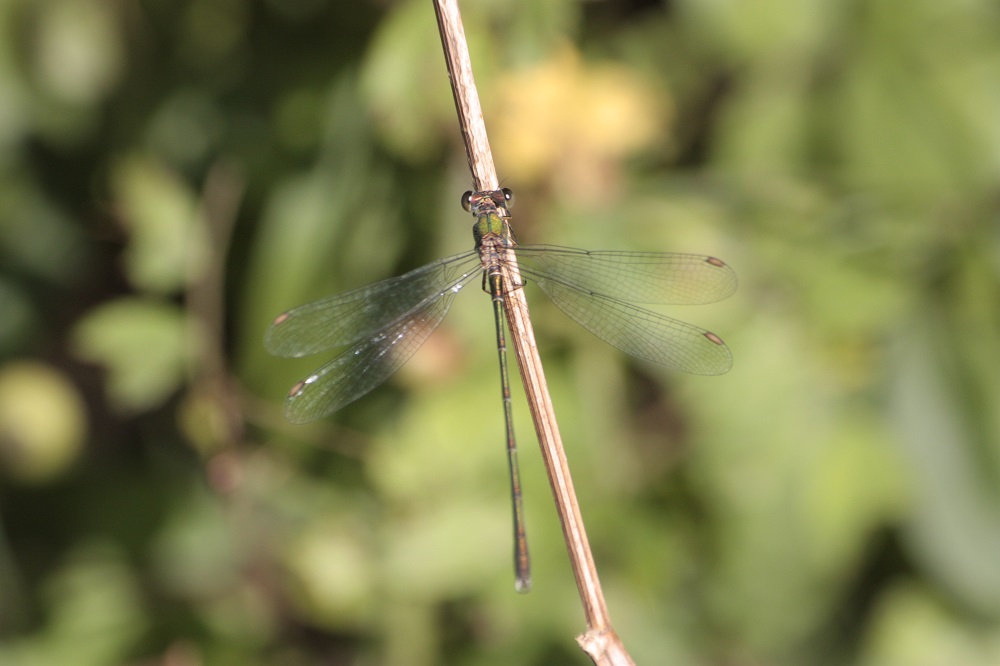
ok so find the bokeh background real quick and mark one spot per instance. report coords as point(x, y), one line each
point(174, 173)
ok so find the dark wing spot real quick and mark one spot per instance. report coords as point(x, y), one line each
point(714, 338)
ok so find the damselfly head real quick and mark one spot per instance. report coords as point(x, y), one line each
point(488, 201)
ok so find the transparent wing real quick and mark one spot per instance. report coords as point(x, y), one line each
point(369, 363)
point(634, 277)
point(639, 332)
point(346, 318)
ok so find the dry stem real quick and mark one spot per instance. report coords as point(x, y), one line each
point(600, 641)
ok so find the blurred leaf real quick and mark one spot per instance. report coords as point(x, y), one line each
point(185, 129)
point(449, 550)
point(203, 417)
point(333, 573)
point(840, 522)
point(762, 31)
point(955, 523)
point(94, 615)
point(192, 555)
point(144, 346)
point(913, 627)
point(43, 421)
point(531, 28)
point(168, 245)
point(764, 129)
point(78, 54)
point(911, 112)
point(405, 81)
point(770, 480)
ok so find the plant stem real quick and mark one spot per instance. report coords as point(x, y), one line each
point(600, 641)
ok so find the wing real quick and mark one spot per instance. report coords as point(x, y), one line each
point(641, 333)
point(369, 363)
point(359, 314)
point(633, 277)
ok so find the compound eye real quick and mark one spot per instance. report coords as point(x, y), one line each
point(508, 197)
point(467, 202)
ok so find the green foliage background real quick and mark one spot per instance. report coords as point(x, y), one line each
point(174, 173)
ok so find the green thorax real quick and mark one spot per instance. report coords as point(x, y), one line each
point(492, 225)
